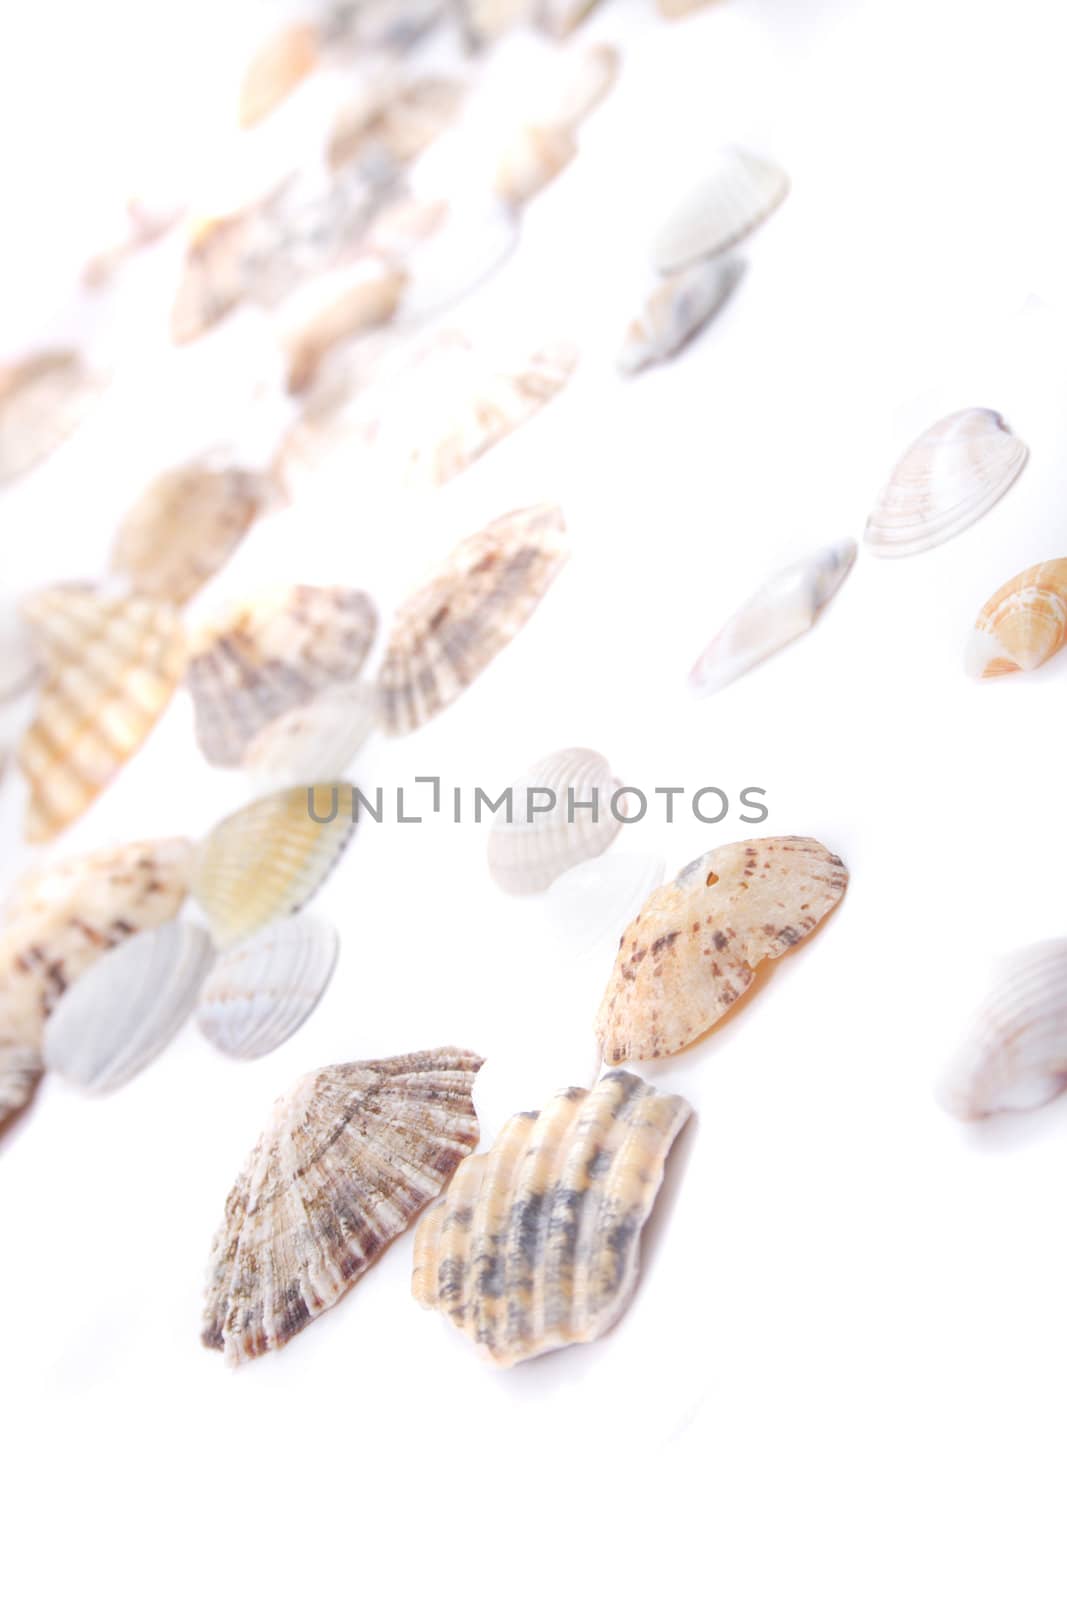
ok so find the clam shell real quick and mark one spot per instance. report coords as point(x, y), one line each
point(323, 736)
point(597, 899)
point(125, 1010)
point(532, 157)
point(780, 612)
point(352, 1154)
point(531, 851)
point(266, 987)
point(450, 630)
point(1014, 1056)
point(42, 400)
point(738, 193)
point(1023, 625)
point(949, 478)
point(185, 527)
point(535, 1244)
point(694, 949)
point(334, 309)
point(268, 859)
point(681, 305)
point(390, 133)
point(281, 63)
point(111, 665)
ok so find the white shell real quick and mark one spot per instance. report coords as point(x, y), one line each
point(676, 310)
point(1015, 1054)
point(735, 196)
point(317, 740)
point(266, 987)
point(18, 659)
point(781, 611)
point(472, 239)
point(124, 1011)
point(531, 851)
point(597, 900)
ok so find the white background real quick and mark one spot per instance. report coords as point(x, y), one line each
point(843, 1372)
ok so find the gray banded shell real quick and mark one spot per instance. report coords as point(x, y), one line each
point(738, 192)
point(265, 988)
point(1014, 1056)
point(563, 811)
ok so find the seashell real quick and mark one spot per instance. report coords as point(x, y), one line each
point(535, 1244)
point(18, 658)
point(21, 1070)
point(597, 899)
point(738, 193)
point(125, 1010)
point(266, 987)
point(447, 247)
point(43, 399)
point(682, 304)
point(949, 478)
point(533, 848)
point(185, 527)
point(213, 278)
point(332, 310)
point(774, 616)
point(561, 17)
point(449, 631)
point(579, 84)
point(1023, 625)
point(146, 220)
point(482, 21)
point(1014, 1056)
point(111, 665)
point(269, 858)
point(352, 1154)
point(693, 950)
point(323, 736)
point(386, 136)
point(280, 64)
point(532, 157)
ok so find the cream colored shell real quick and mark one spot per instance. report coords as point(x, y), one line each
point(185, 526)
point(1023, 625)
point(561, 814)
point(42, 400)
point(1014, 1056)
point(263, 989)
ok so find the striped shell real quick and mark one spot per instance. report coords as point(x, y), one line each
point(352, 1154)
point(949, 478)
point(681, 305)
point(535, 1244)
point(696, 945)
point(316, 740)
point(1014, 1056)
point(738, 193)
point(570, 820)
point(280, 64)
point(1023, 625)
point(42, 401)
point(265, 988)
point(185, 527)
point(450, 630)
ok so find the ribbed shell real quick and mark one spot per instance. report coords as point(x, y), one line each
point(535, 1244)
point(696, 945)
point(681, 305)
point(123, 1012)
point(185, 527)
point(42, 400)
point(531, 851)
point(268, 859)
point(1023, 625)
point(352, 1154)
point(1014, 1056)
point(321, 738)
point(950, 477)
point(266, 987)
point(738, 193)
point(111, 665)
point(450, 630)
point(281, 63)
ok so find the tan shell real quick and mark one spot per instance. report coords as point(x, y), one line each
point(42, 400)
point(383, 138)
point(533, 156)
point(1023, 625)
point(694, 948)
point(352, 1154)
point(278, 66)
point(535, 1244)
point(111, 665)
point(333, 310)
point(450, 630)
point(185, 527)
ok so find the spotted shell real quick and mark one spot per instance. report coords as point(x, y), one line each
point(42, 401)
point(322, 737)
point(676, 310)
point(266, 987)
point(563, 811)
point(280, 64)
point(185, 527)
point(1023, 625)
point(1014, 1056)
point(739, 191)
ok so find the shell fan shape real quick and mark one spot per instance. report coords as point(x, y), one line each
point(1023, 625)
point(266, 987)
point(738, 193)
point(353, 1153)
point(561, 815)
point(185, 526)
point(1014, 1056)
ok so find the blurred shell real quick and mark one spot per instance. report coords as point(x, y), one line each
point(352, 1154)
point(18, 658)
point(278, 66)
point(42, 400)
point(682, 304)
point(450, 630)
point(673, 9)
point(780, 612)
point(594, 901)
point(532, 157)
point(736, 195)
point(334, 309)
point(483, 21)
point(535, 1244)
point(1015, 1055)
point(533, 850)
point(580, 82)
point(949, 478)
point(185, 527)
point(268, 859)
point(123, 1012)
point(322, 737)
point(266, 987)
point(271, 656)
point(1023, 625)
point(21, 1069)
point(694, 949)
point(386, 136)
point(447, 247)
point(561, 17)
point(111, 665)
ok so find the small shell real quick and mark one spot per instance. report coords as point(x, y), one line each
point(949, 478)
point(533, 156)
point(1015, 1055)
point(696, 945)
point(123, 1012)
point(682, 304)
point(535, 1244)
point(185, 527)
point(110, 667)
point(320, 738)
point(386, 137)
point(269, 858)
point(353, 1153)
point(537, 845)
point(1023, 625)
point(333, 309)
point(780, 612)
point(281, 63)
point(450, 630)
point(42, 400)
point(266, 987)
point(595, 901)
point(738, 193)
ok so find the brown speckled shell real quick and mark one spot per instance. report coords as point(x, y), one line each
point(185, 526)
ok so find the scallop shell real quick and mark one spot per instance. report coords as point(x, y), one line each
point(266, 987)
point(280, 64)
point(532, 157)
point(323, 736)
point(185, 527)
point(533, 849)
point(738, 193)
point(269, 858)
point(949, 478)
point(43, 399)
point(123, 1012)
point(352, 1154)
point(450, 630)
point(111, 665)
point(780, 612)
point(682, 304)
point(334, 309)
point(1015, 1054)
point(694, 949)
point(535, 1244)
point(385, 137)
point(1023, 625)
point(271, 656)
